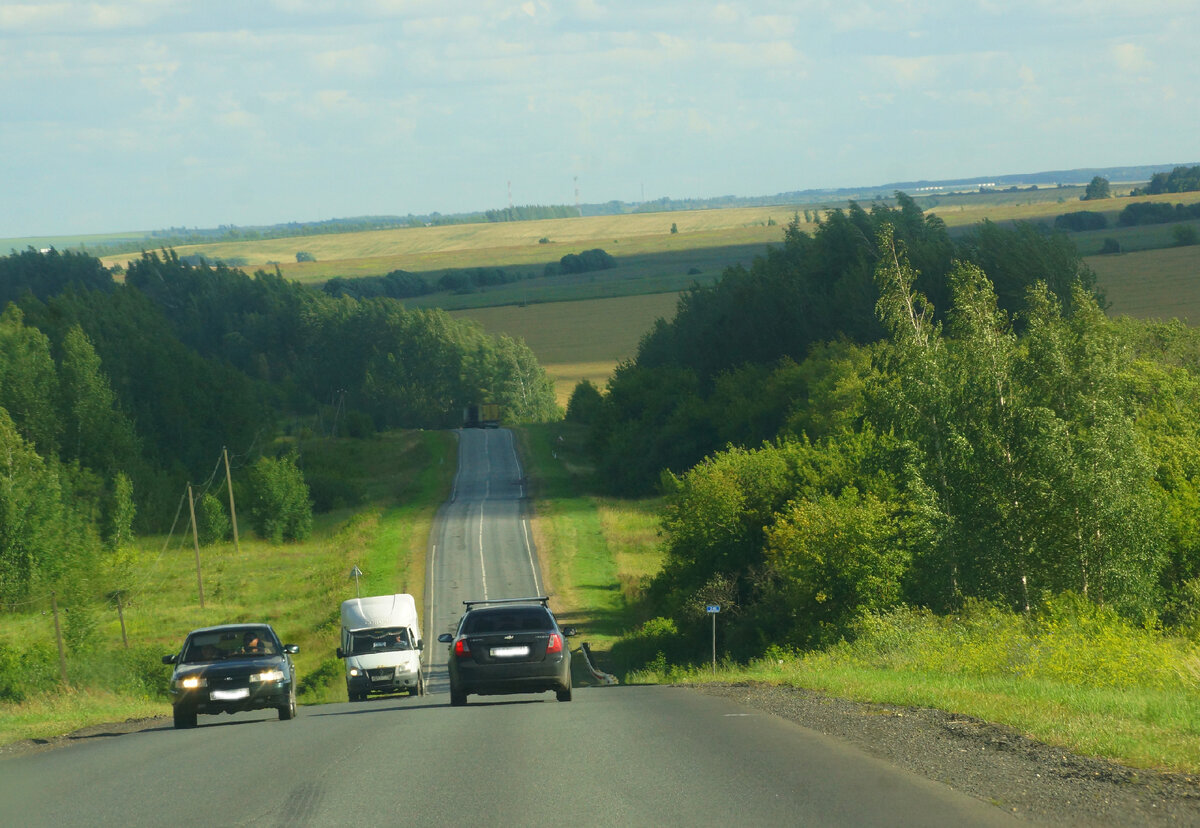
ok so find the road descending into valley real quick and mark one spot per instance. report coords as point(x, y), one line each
point(624, 755)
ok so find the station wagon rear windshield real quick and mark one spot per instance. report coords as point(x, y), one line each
point(508, 619)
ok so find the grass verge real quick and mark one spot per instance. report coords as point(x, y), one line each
point(403, 478)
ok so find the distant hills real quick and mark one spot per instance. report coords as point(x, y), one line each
point(133, 242)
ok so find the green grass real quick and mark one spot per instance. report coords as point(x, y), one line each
point(595, 551)
point(296, 587)
point(1152, 284)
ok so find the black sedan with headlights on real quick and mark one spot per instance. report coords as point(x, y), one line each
point(512, 645)
point(232, 668)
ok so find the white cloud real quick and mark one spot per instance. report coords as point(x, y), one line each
point(359, 61)
point(1130, 57)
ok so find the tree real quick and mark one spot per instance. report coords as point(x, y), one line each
point(97, 433)
point(1097, 188)
point(280, 507)
point(585, 403)
point(29, 382)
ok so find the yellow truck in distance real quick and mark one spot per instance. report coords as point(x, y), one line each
point(484, 415)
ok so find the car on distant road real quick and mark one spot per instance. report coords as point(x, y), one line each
point(511, 645)
point(232, 668)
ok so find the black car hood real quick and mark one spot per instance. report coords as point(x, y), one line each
point(234, 667)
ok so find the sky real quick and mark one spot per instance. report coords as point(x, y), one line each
point(121, 115)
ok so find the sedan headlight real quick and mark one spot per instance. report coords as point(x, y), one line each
point(267, 675)
point(354, 671)
point(191, 682)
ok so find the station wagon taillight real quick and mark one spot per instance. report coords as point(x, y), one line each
point(555, 644)
point(462, 648)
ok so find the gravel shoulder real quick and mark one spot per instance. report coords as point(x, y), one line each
point(1036, 782)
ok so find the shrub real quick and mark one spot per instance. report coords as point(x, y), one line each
point(213, 523)
point(656, 639)
point(1081, 220)
point(1110, 246)
point(280, 507)
point(305, 256)
point(1184, 235)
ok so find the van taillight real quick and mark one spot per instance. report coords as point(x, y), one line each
point(462, 648)
point(555, 644)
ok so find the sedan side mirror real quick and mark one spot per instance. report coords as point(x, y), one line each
point(173, 658)
point(291, 649)
point(569, 631)
point(445, 638)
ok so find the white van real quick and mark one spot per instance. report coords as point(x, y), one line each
point(381, 644)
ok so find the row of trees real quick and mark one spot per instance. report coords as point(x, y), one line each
point(1009, 444)
point(705, 378)
point(146, 381)
point(1178, 180)
point(1152, 212)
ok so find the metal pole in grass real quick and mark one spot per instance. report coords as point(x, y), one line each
point(712, 610)
point(356, 573)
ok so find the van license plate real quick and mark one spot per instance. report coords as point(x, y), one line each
point(509, 652)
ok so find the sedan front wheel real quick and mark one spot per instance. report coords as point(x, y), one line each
point(288, 711)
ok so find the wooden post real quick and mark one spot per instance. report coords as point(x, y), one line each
point(62, 656)
point(232, 511)
point(121, 615)
point(196, 544)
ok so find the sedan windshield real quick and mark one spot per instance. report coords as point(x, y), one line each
point(217, 645)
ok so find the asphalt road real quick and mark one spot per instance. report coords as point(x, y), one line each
point(614, 755)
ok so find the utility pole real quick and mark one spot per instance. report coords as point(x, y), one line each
point(232, 511)
point(196, 545)
point(62, 656)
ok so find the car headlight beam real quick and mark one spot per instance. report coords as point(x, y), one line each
point(267, 675)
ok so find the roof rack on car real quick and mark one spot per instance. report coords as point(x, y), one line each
point(540, 599)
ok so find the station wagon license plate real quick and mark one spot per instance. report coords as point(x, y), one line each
point(509, 652)
point(231, 695)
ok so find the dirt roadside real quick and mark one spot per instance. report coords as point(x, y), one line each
point(1035, 782)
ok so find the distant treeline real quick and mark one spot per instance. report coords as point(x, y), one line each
point(1150, 212)
point(1178, 180)
point(400, 284)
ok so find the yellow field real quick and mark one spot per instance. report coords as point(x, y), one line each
point(507, 244)
point(578, 340)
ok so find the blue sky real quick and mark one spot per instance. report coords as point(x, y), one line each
point(147, 114)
